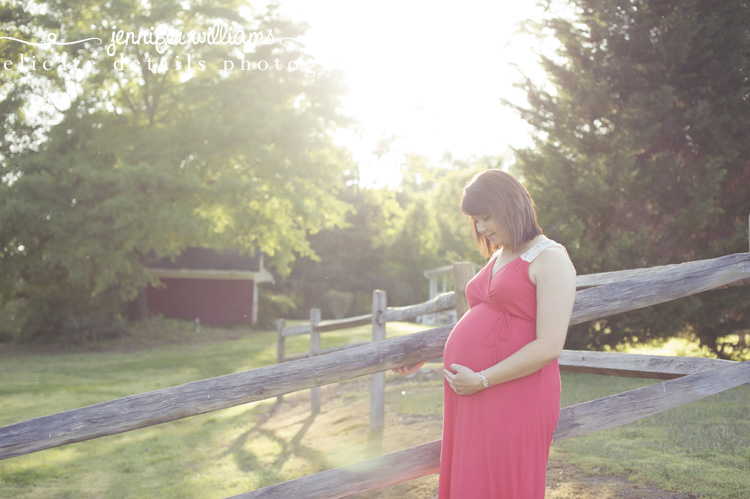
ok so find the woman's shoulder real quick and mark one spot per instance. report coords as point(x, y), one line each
point(552, 259)
point(539, 246)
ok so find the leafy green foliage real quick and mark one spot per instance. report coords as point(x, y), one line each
point(348, 259)
point(272, 306)
point(641, 151)
point(151, 157)
point(391, 238)
point(433, 232)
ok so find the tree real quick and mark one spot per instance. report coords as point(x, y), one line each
point(433, 232)
point(641, 153)
point(154, 155)
point(348, 259)
point(456, 241)
point(391, 237)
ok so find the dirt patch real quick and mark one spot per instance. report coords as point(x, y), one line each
point(341, 432)
point(565, 481)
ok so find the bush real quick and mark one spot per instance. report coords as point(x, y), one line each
point(272, 307)
point(12, 320)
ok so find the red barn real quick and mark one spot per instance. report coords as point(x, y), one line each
point(217, 287)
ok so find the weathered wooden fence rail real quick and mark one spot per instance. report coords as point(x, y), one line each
point(700, 378)
point(445, 301)
point(284, 332)
point(381, 314)
point(577, 420)
point(665, 282)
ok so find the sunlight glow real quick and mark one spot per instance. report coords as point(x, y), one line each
point(430, 74)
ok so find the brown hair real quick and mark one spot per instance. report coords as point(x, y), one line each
point(503, 198)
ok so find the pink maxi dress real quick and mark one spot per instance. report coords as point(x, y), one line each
point(496, 442)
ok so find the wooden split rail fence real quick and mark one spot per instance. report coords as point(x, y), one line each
point(381, 314)
point(688, 380)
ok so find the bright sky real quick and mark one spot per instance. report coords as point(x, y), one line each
point(430, 73)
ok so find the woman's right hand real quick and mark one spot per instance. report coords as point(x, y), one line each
point(405, 370)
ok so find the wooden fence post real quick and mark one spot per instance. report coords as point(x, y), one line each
point(280, 341)
point(314, 350)
point(280, 346)
point(377, 380)
point(462, 274)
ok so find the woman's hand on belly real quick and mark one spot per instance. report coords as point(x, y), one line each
point(463, 380)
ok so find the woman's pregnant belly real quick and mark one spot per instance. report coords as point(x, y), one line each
point(484, 336)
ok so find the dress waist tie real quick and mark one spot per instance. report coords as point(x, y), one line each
point(500, 331)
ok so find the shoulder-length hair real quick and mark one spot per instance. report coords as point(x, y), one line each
point(500, 196)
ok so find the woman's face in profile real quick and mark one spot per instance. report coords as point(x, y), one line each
point(491, 230)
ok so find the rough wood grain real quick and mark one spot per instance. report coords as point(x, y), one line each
point(169, 404)
point(372, 474)
point(589, 280)
point(314, 350)
point(444, 301)
point(336, 324)
point(441, 302)
point(631, 365)
point(582, 419)
point(377, 380)
point(462, 274)
point(674, 282)
point(280, 341)
point(323, 326)
point(325, 351)
point(280, 347)
point(623, 408)
point(200, 397)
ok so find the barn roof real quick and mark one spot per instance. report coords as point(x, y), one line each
point(211, 259)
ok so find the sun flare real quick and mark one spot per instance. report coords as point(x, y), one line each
point(428, 75)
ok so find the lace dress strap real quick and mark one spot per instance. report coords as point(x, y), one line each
point(535, 250)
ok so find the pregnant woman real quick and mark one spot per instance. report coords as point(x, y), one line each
point(502, 382)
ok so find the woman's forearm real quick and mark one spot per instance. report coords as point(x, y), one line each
point(527, 360)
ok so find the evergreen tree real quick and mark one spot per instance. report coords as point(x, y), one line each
point(641, 153)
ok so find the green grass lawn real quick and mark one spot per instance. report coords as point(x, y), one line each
point(702, 448)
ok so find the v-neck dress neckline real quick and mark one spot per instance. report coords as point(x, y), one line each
point(536, 248)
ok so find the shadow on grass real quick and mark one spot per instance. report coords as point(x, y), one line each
point(247, 460)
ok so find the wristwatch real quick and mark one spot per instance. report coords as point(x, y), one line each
point(485, 383)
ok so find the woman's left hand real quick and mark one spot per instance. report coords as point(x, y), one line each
point(464, 381)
